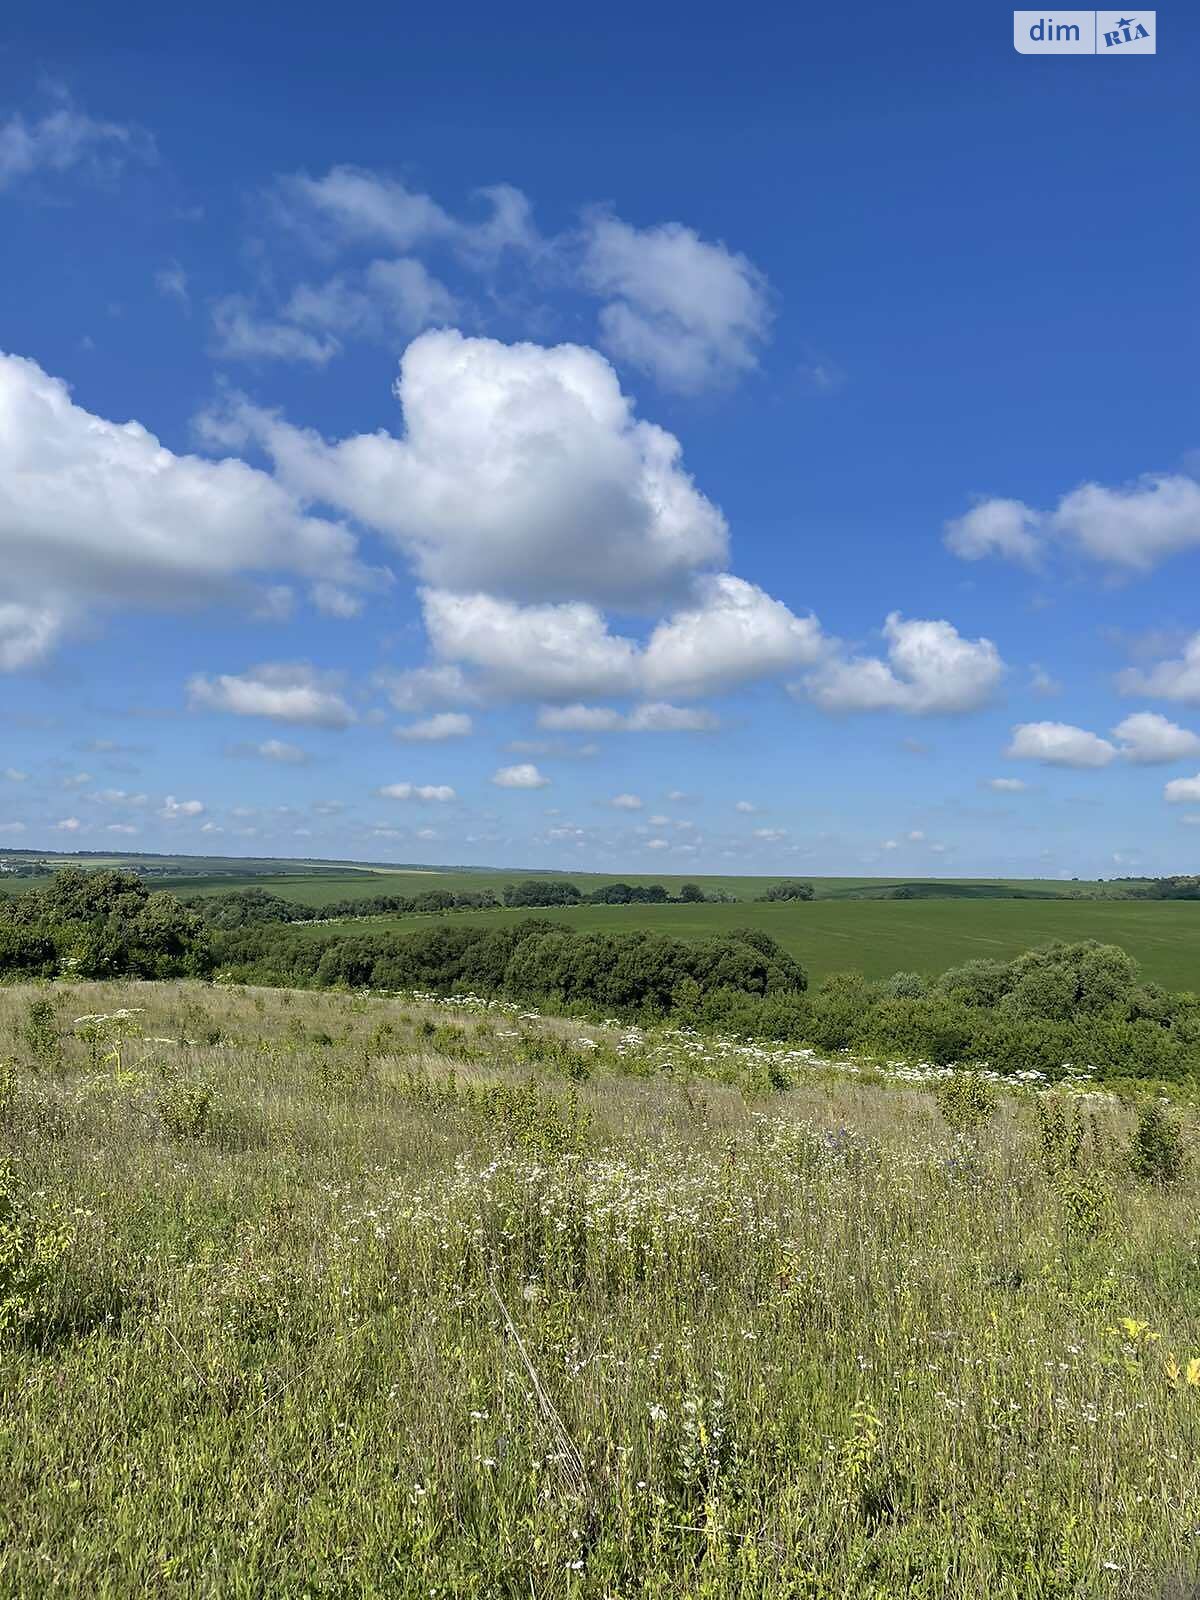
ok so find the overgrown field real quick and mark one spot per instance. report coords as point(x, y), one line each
point(325, 1295)
point(879, 937)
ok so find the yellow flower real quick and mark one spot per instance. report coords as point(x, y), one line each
point(1137, 1332)
point(1190, 1374)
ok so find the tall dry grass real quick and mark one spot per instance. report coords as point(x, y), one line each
point(319, 1295)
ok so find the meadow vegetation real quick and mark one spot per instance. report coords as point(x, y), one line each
point(331, 1294)
point(1063, 1005)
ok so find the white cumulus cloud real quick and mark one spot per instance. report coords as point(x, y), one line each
point(534, 652)
point(523, 776)
point(732, 633)
point(443, 725)
point(353, 205)
point(1138, 525)
point(284, 691)
point(931, 670)
point(1183, 790)
point(522, 472)
point(691, 313)
point(277, 750)
point(653, 717)
point(729, 634)
point(439, 793)
point(1145, 739)
point(1135, 526)
point(99, 515)
point(421, 688)
point(172, 809)
point(1059, 744)
point(388, 297)
point(1148, 738)
point(996, 528)
point(1177, 678)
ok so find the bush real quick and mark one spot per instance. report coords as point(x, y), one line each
point(1156, 1149)
point(40, 1031)
point(966, 1101)
point(904, 986)
point(185, 1107)
point(102, 925)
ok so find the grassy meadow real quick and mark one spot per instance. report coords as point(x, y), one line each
point(324, 1295)
point(879, 937)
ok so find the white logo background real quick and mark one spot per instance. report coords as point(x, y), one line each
point(1084, 33)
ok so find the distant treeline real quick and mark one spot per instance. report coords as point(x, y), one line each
point(1180, 888)
point(252, 908)
point(247, 908)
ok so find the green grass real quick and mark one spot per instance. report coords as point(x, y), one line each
point(354, 1297)
point(881, 937)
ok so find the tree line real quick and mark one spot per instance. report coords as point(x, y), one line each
point(627, 973)
point(250, 907)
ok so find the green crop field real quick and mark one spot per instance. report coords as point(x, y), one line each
point(332, 885)
point(881, 937)
point(319, 883)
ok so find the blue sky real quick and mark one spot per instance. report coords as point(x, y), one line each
point(754, 445)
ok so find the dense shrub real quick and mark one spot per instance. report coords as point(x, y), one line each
point(102, 924)
point(1078, 1005)
point(1178, 888)
point(542, 892)
point(788, 890)
point(533, 960)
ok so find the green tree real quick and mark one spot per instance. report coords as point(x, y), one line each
point(789, 889)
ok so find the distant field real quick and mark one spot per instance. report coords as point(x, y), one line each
point(830, 934)
point(325, 890)
point(332, 886)
point(880, 937)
